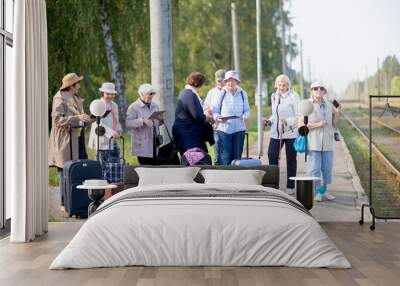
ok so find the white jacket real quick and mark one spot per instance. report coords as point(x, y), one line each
point(284, 106)
point(107, 124)
point(322, 138)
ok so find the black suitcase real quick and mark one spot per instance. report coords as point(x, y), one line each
point(76, 201)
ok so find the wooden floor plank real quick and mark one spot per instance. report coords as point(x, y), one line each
point(375, 257)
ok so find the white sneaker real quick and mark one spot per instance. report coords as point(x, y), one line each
point(318, 197)
point(290, 191)
point(329, 197)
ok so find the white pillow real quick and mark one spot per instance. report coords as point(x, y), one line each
point(248, 177)
point(166, 176)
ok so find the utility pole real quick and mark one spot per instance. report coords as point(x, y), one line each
point(283, 48)
point(309, 70)
point(378, 79)
point(358, 90)
point(162, 72)
point(235, 38)
point(301, 71)
point(366, 85)
point(258, 98)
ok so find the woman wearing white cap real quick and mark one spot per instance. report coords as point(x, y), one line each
point(141, 127)
point(321, 124)
point(110, 120)
point(283, 122)
point(231, 111)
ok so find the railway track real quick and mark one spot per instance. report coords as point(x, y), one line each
point(386, 173)
point(385, 138)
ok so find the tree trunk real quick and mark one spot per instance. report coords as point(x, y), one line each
point(116, 74)
point(162, 68)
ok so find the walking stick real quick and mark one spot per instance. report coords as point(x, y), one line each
point(280, 143)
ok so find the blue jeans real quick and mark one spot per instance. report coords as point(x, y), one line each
point(230, 147)
point(320, 163)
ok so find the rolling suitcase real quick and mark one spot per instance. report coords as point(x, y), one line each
point(247, 162)
point(76, 201)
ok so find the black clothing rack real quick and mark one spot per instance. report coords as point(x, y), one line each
point(370, 205)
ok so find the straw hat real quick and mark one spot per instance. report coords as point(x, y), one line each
point(69, 80)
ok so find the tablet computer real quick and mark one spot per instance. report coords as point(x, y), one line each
point(229, 117)
point(156, 115)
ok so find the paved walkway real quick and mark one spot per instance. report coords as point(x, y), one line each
point(346, 186)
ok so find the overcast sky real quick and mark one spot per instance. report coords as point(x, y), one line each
point(343, 38)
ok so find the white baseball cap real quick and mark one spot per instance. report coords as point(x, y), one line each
point(317, 84)
point(232, 74)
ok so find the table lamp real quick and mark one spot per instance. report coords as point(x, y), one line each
point(305, 108)
point(98, 108)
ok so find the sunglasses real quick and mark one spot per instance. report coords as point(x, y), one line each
point(152, 93)
point(318, 88)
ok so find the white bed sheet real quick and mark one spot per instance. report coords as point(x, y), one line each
point(200, 232)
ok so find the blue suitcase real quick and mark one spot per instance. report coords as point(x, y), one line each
point(247, 162)
point(76, 201)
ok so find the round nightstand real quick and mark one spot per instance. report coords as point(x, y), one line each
point(96, 194)
point(305, 190)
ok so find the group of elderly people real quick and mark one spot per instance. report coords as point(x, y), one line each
point(219, 120)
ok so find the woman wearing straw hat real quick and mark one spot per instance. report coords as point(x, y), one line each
point(110, 120)
point(283, 122)
point(140, 125)
point(67, 111)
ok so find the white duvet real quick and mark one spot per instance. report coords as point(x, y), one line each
point(203, 231)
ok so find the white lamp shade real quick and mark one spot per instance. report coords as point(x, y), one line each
point(97, 107)
point(306, 107)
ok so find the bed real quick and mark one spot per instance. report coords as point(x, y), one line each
point(201, 224)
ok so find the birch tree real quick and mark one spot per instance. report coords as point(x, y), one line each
point(116, 74)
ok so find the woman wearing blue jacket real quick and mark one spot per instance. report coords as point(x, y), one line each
point(231, 111)
point(192, 127)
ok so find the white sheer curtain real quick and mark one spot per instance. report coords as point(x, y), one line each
point(27, 125)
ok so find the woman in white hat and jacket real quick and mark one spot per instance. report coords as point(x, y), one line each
point(140, 125)
point(321, 123)
point(283, 122)
point(110, 120)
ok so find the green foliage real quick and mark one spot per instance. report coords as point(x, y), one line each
point(396, 85)
point(385, 78)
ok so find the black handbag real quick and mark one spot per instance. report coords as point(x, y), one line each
point(168, 153)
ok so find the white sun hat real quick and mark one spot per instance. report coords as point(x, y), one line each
point(317, 84)
point(108, 87)
point(232, 74)
point(145, 88)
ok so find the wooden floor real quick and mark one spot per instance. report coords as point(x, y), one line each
point(375, 257)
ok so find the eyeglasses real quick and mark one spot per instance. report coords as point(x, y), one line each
point(318, 88)
point(152, 93)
